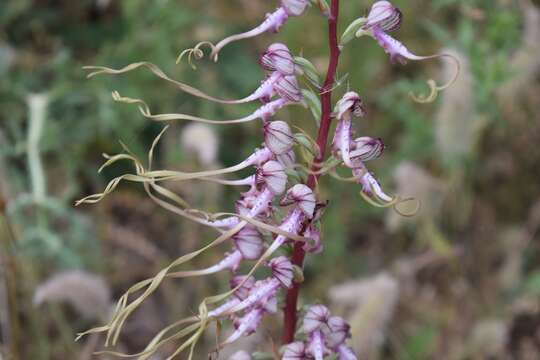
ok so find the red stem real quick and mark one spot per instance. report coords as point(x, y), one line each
point(291, 300)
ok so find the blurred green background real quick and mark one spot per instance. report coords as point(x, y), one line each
point(460, 280)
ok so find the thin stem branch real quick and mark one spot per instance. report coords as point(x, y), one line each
point(291, 301)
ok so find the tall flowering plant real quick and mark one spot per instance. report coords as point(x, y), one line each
point(257, 234)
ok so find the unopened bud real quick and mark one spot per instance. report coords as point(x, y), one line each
point(273, 175)
point(278, 137)
point(366, 148)
point(385, 16)
point(294, 7)
point(287, 88)
point(278, 58)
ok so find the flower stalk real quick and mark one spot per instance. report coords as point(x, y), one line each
point(291, 301)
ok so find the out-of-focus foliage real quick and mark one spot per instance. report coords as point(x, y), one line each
point(467, 270)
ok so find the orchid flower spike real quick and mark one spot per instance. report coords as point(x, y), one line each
point(278, 58)
point(273, 22)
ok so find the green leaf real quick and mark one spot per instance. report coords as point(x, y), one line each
point(306, 143)
point(313, 103)
point(351, 30)
point(308, 69)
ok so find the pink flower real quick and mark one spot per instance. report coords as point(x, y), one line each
point(249, 243)
point(337, 332)
point(282, 269)
point(315, 318)
point(385, 16)
point(350, 102)
point(303, 197)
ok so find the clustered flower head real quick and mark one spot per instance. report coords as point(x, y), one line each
point(325, 335)
point(256, 233)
